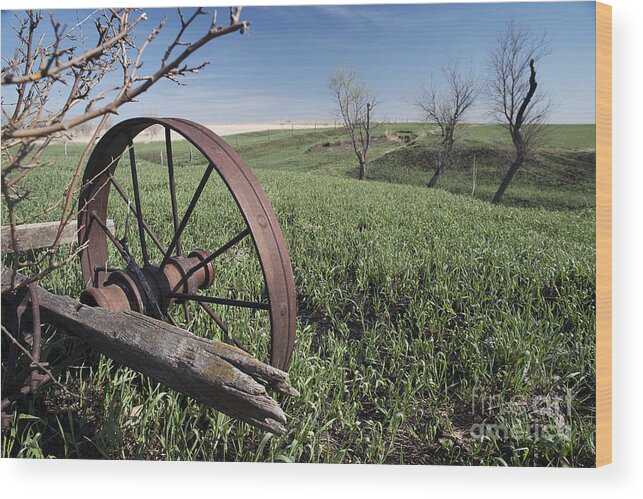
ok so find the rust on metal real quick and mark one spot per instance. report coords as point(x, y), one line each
point(154, 287)
point(144, 290)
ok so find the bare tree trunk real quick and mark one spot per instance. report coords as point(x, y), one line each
point(365, 144)
point(443, 163)
point(436, 175)
point(515, 166)
point(362, 168)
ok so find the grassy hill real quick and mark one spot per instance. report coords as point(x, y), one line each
point(560, 176)
point(422, 313)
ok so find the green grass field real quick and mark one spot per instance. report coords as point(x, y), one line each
point(433, 326)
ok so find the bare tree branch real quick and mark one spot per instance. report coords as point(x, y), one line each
point(129, 90)
point(77, 62)
point(47, 63)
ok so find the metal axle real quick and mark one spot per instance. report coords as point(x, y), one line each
point(150, 290)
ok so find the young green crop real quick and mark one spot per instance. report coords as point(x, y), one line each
point(422, 315)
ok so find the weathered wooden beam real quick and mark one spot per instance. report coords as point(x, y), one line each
point(41, 235)
point(214, 373)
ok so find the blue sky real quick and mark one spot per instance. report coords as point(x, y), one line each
point(280, 68)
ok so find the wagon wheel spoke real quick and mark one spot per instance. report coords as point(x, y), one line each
point(170, 172)
point(137, 202)
point(217, 320)
point(171, 319)
point(187, 215)
point(175, 211)
point(186, 311)
point(221, 301)
point(121, 192)
point(121, 249)
point(235, 240)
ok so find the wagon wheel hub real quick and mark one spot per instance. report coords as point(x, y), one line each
point(152, 290)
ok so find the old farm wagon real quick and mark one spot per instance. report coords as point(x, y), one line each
point(133, 286)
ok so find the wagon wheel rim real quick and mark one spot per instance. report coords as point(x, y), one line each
point(261, 222)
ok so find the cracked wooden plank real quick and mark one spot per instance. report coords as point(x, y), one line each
point(42, 235)
point(219, 375)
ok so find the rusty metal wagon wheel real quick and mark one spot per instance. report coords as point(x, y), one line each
point(155, 287)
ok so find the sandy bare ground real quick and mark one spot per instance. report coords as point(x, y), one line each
point(224, 129)
point(228, 129)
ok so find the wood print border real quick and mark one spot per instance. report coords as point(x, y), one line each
point(603, 234)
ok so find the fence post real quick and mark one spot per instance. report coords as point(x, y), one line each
point(475, 174)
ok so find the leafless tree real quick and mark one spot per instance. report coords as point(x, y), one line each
point(355, 105)
point(53, 59)
point(446, 108)
point(512, 92)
